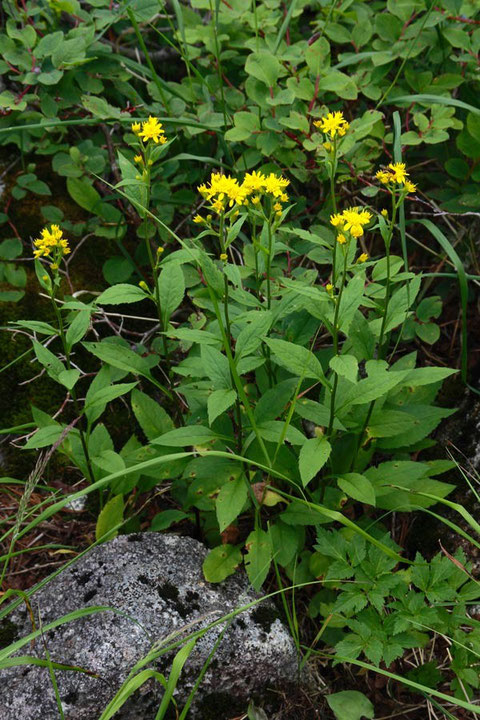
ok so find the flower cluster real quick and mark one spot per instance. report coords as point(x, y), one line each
point(352, 221)
point(224, 191)
point(151, 129)
point(333, 124)
point(52, 245)
point(396, 175)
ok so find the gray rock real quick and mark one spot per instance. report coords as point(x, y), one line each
point(156, 581)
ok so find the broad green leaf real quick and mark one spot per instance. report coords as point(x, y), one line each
point(230, 501)
point(258, 557)
point(119, 356)
point(346, 366)
point(188, 435)
point(151, 416)
point(313, 456)
point(250, 338)
point(120, 294)
point(350, 705)
point(110, 516)
point(298, 360)
point(50, 362)
point(68, 378)
point(221, 562)
point(171, 288)
point(216, 367)
point(78, 328)
point(358, 487)
point(264, 66)
point(106, 394)
point(84, 194)
point(163, 520)
point(218, 402)
point(44, 437)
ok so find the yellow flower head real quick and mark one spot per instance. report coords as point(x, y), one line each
point(224, 256)
point(160, 250)
point(354, 220)
point(329, 288)
point(277, 207)
point(336, 220)
point(333, 124)
point(410, 187)
point(362, 258)
point(341, 239)
point(398, 171)
point(275, 185)
point(217, 205)
point(384, 212)
point(51, 244)
point(136, 127)
point(254, 181)
point(328, 146)
point(384, 176)
point(138, 159)
point(198, 219)
point(255, 200)
point(283, 197)
point(152, 129)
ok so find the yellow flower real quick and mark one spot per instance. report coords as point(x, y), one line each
point(283, 197)
point(355, 219)
point(362, 258)
point(138, 159)
point(277, 207)
point(341, 239)
point(410, 186)
point(152, 129)
point(328, 146)
point(329, 288)
point(275, 184)
point(198, 219)
point(333, 124)
point(160, 250)
point(336, 220)
point(384, 212)
point(384, 176)
point(217, 205)
point(255, 200)
point(224, 256)
point(143, 285)
point(399, 173)
point(136, 127)
point(51, 244)
point(254, 181)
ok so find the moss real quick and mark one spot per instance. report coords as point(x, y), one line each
point(8, 633)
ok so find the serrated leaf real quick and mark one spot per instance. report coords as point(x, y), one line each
point(44, 437)
point(358, 487)
point(296, 359)
point(171, 288)
point(346, 366)
point(151, 416)
point(77, 328)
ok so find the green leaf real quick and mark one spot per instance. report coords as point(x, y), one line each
point(151, 416)
point(346, 366)
point(163, 520)
point(258, 557)
point(50, 362)
point(216, 367)
point(296, 359)
point(350, 705)
point(358, 487)
point(110, 516)
point(68, 378)
point(171, 288)
point(313, 456)
point(264, 66)
point(221, 562)
point(44, 437)
point(84, 194)
point(250, 338)
point(230, 501)
point(119, 356)
point(106, 394)
point(188, 435)
point(218, 402)
point(78, 328)
point(120, 294)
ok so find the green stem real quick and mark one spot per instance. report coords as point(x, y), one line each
point(335, 342)
point(58, 314)
point(333, 169)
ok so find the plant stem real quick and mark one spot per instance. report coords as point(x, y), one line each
point(335, 342)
